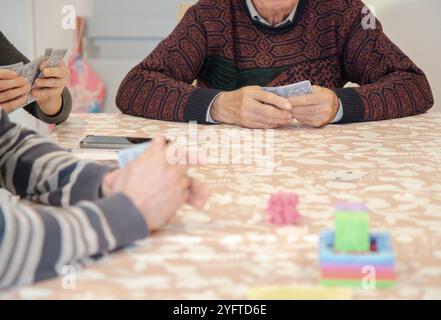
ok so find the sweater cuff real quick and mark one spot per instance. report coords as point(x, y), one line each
point(125, 220)
point(353, 109)
point(89, 182)
point(198, 103)
point(62, 115)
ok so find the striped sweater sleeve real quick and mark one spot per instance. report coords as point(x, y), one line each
point(68, 222)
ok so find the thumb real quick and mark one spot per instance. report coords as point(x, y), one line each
point(43, 65)
point(156, 146)
point(158, 143)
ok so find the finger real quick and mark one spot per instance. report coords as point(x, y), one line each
point(50, 83)
point(312, 120)
point(45, 92)
point(54, 72)
point(266, 125)
point(43, 65)
point(6, 74)
point(181, 170)
point(13, 83)
point(109, 180)
point(307, 110)
point(185, 183)
point(271, 122)
point(112, 176)
point(260, 125)
point(199, 194)
point(12, 94)
point(274, 115)
point(273, 99)
point(11, 105)
point(158, 143)
point(306, 100)
point(157, 148)
point(185, 196)
point(183, 188)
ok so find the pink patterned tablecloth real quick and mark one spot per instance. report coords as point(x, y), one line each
point(228, 247)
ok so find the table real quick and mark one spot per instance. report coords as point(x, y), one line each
point(229, 247)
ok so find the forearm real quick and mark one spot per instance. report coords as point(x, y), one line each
point(150, 94)
point(37, 242)
point(34, 168)
point(396, 95)
point(391, 85)
point(160, 87)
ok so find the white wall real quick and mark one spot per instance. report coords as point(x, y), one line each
point(48, 17)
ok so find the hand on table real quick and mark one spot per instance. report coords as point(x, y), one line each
point(316, 109)
point(13, 90)
point(156, 188)
point(251, 107)
point(48, 89)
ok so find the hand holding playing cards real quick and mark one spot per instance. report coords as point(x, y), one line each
point(13, 90)
point(155, 187)
point(316, 109)
point(49, 87)
point(252, 107)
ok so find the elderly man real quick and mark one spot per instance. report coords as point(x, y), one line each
point(234, 47)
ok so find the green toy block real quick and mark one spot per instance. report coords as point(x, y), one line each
point(351, 229)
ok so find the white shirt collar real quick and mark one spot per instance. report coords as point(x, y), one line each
point(257, 17)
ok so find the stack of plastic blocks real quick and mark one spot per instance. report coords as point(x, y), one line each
point(353, 257)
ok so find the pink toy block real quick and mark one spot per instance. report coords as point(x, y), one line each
point(282, 209)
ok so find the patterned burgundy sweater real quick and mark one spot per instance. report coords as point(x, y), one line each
point(218, 44)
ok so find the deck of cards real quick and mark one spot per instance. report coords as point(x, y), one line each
point(130, 154)
point(292, 90)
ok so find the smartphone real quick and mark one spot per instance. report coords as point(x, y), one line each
point(111, 142)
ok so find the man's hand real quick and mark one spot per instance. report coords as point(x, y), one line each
point(251, 107)
point(316, 109)
point(199, 194)
point(13, 90)
point(48, 89)
point(156, 188)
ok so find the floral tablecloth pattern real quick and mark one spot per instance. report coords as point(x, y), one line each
point(229, 247)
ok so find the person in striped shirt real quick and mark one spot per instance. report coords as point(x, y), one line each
point(61, 211)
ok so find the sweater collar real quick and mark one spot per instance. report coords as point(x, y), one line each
point(298, 16)
point(255, 15)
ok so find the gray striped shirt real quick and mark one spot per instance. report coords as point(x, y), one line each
point(54, 215)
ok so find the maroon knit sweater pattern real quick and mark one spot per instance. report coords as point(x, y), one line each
point(326, 44)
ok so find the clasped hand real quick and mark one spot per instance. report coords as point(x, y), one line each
point(251, 107)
